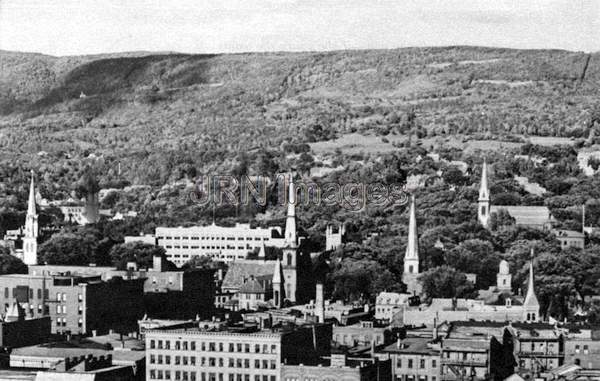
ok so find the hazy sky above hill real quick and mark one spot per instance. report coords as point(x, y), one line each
point(67, 27)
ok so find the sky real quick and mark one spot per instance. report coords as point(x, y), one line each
point(73, 27)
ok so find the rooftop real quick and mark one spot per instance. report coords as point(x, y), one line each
point(412, 345)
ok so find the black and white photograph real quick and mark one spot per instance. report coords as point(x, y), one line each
point(300, 190)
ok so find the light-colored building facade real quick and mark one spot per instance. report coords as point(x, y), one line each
point(387, 304)
point(414, 359)
point(220, 353)
point(220, 243)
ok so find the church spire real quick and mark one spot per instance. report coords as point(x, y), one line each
point(484, 192)
point(531, 299)
point(290, 223)
point(412, 247)
point(31, 201)
point(411, 258)
point(483, 211)
point(31, 228)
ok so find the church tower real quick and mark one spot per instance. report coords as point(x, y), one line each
point(531, 306)
point(290, 222)
point(503, 278)
point(290, 251)
point(31, 229)
point(483, 211)
point(278, 294)
point(411, 258)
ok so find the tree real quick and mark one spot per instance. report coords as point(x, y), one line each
point(68, 249)
point(501, 218)
point(141, 253)
point(475, 256)
point(9, 264)
point(445, 282)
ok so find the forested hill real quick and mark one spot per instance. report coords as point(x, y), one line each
point(147, 125)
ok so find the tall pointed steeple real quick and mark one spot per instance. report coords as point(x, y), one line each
point(290, 223)
point(31, 228)
point(411, 258)
point(483, 212)
point(531, 305)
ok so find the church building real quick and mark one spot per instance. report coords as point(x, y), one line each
point(537, 217)
point(289, 275)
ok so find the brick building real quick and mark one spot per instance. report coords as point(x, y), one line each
point(166, 294)
point(76, 304)
point(582, 347)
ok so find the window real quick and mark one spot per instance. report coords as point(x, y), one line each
point(433, 363)
point(152, 344)
point(422, 364)
point(410, 363)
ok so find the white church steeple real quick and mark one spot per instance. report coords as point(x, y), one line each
point(411, 258)
point(31, 228)
point(290, 223)
point(483, 211)
point(531, 306)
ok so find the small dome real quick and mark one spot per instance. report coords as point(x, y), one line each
point(504, 268)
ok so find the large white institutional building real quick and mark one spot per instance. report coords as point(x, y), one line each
point(217, 242)
point(223, 243)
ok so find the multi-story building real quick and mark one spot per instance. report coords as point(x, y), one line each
point(387, 304)
point(485, 350)
point(340, 367)
point(414, 359)
point(364, 333)
point(212, 352)
point(167, 294)
point(582, 347)
point(217, 242)
point(540, 347)
point(18, 331)
point(76, 304)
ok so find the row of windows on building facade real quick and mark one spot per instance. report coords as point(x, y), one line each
point(207, 376)
point(59, 296)
point(220, 238)
point(410, 363)
point(213, 362)
point(213, 346)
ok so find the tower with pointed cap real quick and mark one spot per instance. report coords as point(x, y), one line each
point(483, 211)
point(278, 295)
point(31, 228)
point(531, 306)
point(411, 258)
point(290, 251)
point(290, 223)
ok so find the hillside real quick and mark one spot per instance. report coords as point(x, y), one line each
point(142, 109)
point(147, 125)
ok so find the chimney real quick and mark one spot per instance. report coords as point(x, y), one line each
point(435, 329)
point(372, 348)
point(319, 303)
